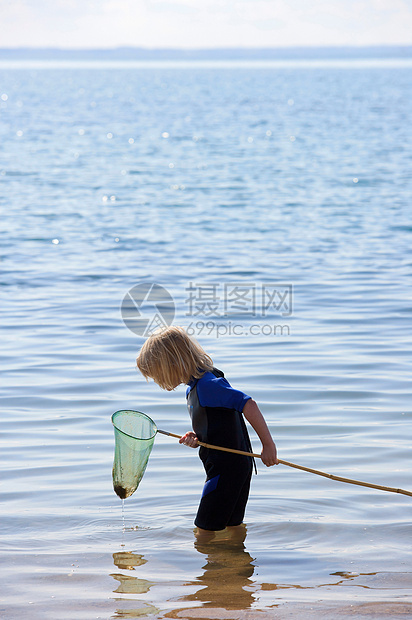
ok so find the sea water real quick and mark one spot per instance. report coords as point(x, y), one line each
point(273, 205)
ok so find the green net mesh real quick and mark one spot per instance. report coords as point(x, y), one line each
point(134, 434)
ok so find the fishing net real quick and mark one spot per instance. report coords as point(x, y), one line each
point(134, 434)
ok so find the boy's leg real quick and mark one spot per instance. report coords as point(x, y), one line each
point(224, 495)
point(239, 508)
point(237, 533)
point(204, 536)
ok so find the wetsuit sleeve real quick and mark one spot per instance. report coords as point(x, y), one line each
point(217, 392)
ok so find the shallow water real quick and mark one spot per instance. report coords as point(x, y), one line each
point(206, 180)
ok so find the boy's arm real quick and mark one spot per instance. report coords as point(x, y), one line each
point(254, 416)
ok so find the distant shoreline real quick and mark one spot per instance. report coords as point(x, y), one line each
point(225, 54)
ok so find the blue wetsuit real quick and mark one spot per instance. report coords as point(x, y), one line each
point(215, 408)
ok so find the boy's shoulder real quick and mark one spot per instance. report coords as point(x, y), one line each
point(214, 377)
point(214, 390)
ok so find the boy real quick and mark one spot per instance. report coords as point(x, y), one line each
point(170, 357)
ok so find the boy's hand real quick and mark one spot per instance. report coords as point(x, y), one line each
point(189, 439)
point(269, 455)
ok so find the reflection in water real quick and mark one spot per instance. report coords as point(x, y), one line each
point(132, 585)
point(139, 612)
point(126, 560)
point(227, 572)
point(226, 584)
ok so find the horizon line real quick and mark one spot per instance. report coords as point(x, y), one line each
point(212, 54)
point(204, 48)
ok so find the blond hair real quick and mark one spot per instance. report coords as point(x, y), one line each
point(170, 357)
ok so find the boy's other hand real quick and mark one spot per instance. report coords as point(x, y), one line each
point(189, 439)
point(269, 455)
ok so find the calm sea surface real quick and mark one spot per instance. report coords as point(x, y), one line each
point(273, 201)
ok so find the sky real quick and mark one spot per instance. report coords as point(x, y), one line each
point(203, 23)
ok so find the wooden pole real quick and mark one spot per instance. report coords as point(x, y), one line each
point(308, 469)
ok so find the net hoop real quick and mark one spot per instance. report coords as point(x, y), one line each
point(137, 414)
